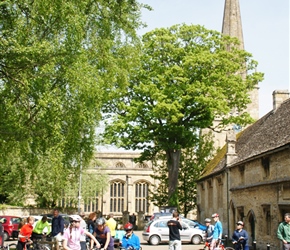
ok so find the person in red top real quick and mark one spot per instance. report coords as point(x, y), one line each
point(25, 234)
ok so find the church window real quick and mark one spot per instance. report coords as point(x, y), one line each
point(210, 193)
point(142, 165)
point(266, 166)
point(117, 196)
point(141, 197)
point(120, 165)
point(242, 174)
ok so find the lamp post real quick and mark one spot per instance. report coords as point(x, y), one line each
point(80, 186)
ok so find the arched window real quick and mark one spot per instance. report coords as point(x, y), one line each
point(141, 197)
point(117, 193)
point(142, 165)
point(120, 165)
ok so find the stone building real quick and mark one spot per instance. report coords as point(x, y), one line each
point(249, 177)
point(128, 186)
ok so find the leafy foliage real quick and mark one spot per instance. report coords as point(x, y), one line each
point(59, 59)
point(187, 76)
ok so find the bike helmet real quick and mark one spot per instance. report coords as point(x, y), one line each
point(128, 226)
point(207, 220)
point(215, 215)
point(100, 221)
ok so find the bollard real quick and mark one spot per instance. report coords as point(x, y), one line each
point(227, 240)
point(268, 246)
point(254, 244)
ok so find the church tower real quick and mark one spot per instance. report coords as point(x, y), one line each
point(232, 26)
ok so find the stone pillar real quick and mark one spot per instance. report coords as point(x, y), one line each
point(140, 220)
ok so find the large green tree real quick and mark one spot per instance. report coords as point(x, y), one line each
point(59, 60)
point(188, 75)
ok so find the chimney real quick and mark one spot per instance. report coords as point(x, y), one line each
point(279, 96)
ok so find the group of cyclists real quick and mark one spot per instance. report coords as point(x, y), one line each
point(72, 235)
point(214, 234)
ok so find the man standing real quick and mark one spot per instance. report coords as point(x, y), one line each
point(174, 234)
point(57, 225)
point(217, 231)
point(283, 232)
point(209, 229)
point(240, 237)
point(132, 220)
point(111, 223)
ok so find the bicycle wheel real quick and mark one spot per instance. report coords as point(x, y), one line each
point(43, 247)
point(229, 248)
point(11, 246)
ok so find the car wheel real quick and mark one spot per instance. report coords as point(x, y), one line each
point(196, 239)
point(154, 240)
point(6, 236)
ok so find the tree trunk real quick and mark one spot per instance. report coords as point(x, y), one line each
point(173, 159)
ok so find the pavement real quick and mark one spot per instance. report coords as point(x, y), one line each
point(164, 246)
point(146, 246)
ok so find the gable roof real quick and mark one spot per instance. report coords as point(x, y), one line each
point(269, 133)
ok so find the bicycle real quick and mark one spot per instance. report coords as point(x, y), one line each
point(39, 244)
point(220, 246)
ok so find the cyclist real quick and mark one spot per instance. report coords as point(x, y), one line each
point(217, 232)
point(25, 234)
point(240, 237)
point(103, 234)
point(72, 235)
point(130, 240)
point(37, 232)
point(209, 229)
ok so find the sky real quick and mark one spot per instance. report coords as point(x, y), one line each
point(265, 26)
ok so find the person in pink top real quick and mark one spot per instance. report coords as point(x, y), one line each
point(72, 235)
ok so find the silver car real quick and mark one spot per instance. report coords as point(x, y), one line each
point(157, 231)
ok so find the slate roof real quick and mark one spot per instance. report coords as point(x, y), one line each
point(270, 132)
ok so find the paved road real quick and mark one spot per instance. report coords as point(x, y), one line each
point(164, 246)
point(146, 246)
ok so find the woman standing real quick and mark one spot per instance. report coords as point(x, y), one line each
point(72, 235)
point(25, 234)
point(91, 222)
point(103, 234)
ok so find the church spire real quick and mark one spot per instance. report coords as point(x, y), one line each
point(232, 23)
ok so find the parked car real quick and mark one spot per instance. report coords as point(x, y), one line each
point(160, 215)
point(157, 231)
point(194, 224)
point(10, 225)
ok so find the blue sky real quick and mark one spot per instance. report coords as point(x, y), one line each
point(265, 30)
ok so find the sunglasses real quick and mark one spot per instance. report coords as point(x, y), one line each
point(75, 221)
point(239, 224)
point(128, 230)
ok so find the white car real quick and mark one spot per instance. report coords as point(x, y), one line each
point(157, 231)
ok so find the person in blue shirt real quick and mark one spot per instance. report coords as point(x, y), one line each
point(130, 240)
point(217, 232)
point(240, 237)
point(209, 229)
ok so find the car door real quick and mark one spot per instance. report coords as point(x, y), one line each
point(163, 229)
point(185, 232)
point(15, 223)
